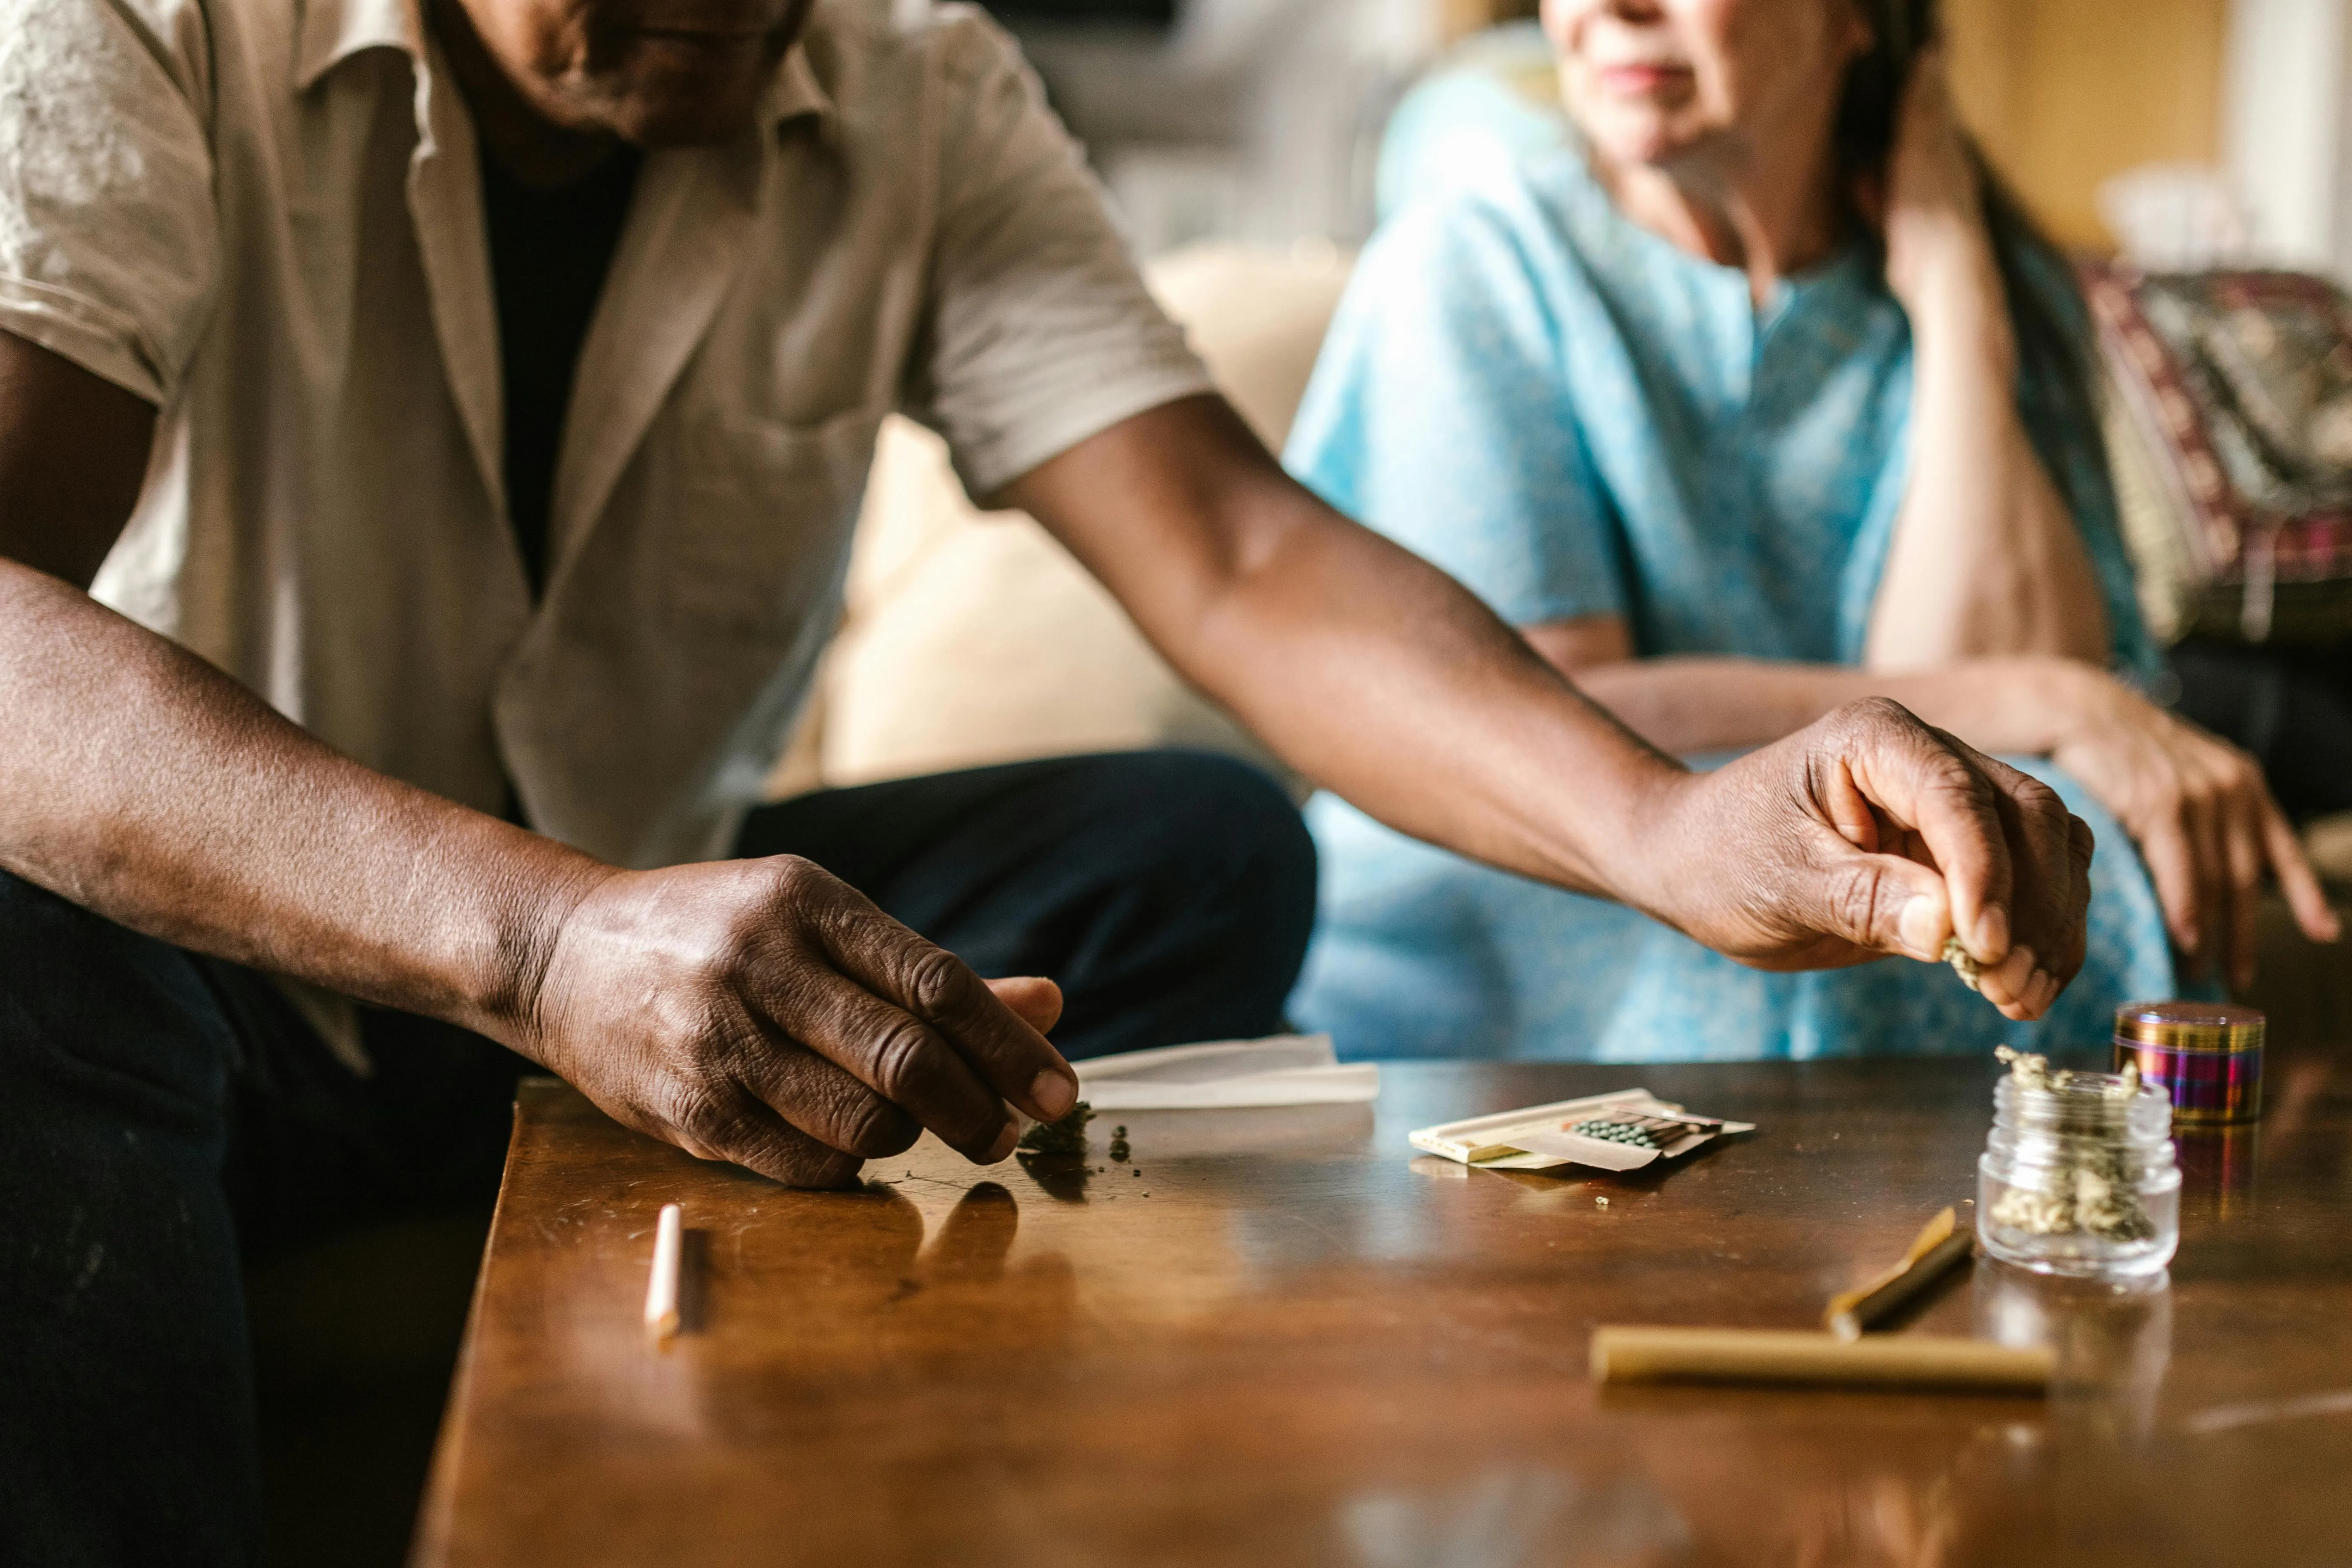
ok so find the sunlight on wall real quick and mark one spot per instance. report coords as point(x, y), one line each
point(2064, 93)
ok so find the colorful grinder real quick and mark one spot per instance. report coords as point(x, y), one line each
point(2208, 1056)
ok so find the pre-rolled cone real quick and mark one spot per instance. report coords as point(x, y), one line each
point(1629, 1355)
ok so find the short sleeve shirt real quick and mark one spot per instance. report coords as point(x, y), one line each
point(265, 217)
point(1576, 417)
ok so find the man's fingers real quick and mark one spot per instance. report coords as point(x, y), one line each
point(2297, 881)
point(1034, 1000)
point(1926, 783)
point(1888, 904)
point(728, 1124)
point(824, 1100)
point(941, 991)
point(1013, 1059)
point(891, 1060)
point(2050, 896)
point(1885, 903)
point(1849, 809)
point(2012, 874)
point(2025, 984)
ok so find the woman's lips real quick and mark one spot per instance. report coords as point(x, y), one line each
point(1643, 78)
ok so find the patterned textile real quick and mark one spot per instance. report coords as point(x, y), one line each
point(2233, 429)
point(1573, 416)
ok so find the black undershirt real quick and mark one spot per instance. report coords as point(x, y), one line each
point(550, 251)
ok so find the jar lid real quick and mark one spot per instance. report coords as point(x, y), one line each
point(2191, 1026)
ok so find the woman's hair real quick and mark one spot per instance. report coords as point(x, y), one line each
point(2051, 347)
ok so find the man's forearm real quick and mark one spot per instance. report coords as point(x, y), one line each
point(1432, 716)
point(142, 783)
point(1363, 666)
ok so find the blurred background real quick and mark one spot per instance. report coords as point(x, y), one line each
point(2182, 131)
point(1243, 143)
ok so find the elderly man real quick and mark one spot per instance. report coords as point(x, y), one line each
point(428, 441)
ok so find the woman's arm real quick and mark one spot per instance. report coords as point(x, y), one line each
point(1686, 704)
point(1986, 558)
point(2196, 805)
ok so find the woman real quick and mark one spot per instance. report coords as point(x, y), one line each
point(1750, 399)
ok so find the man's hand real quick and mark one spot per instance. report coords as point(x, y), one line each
point(764, 1012)
point(1869, 833)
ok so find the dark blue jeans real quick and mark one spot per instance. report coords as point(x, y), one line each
point(166, 1118)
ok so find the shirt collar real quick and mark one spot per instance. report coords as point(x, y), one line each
point(332, 31)
point(795, 93)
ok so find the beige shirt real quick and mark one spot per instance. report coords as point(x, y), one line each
point(265, 216)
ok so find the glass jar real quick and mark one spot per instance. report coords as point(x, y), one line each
point(2077, 1177)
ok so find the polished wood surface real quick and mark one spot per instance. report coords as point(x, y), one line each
point(1279, 1337)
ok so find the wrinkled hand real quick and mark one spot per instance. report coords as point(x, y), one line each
point(2203, 818)
point(765, 1013)
point(1869, 833)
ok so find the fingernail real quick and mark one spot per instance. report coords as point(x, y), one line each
point(1920, 924)
point(1004, 1145)
point(1992, 931)
point(1053, 1093)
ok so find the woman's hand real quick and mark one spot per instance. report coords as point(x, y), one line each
point(2203, 818)
point(1932, 210)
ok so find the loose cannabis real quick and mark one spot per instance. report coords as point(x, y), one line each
point(1068, 1136)
point(1963, 965)
point(2086, 1188)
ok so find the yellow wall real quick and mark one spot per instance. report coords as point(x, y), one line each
point(2064, 93)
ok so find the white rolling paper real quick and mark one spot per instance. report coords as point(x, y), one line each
point(1282, 1069)
point(1540, 1137)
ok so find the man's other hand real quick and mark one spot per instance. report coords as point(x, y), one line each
point(764, 1012)
point(1869, 833)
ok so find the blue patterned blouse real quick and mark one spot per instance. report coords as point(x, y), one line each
point(1576, 417)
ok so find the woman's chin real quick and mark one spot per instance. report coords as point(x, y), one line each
point(1627, 134)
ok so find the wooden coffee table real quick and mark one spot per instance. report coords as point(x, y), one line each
point(1278, 1338)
